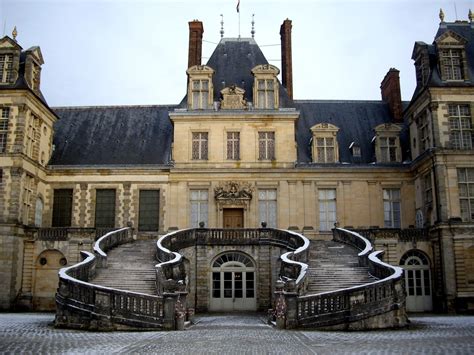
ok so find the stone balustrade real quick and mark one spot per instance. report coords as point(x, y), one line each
point(84, 305)
point(402, 235)
point(379, 304)
point(170, 272)
point(66, 233)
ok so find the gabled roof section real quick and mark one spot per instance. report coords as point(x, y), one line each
point(36, 52)
point(113, 135)
point(7, 42)
point(233, 61)
point(356, 121)
point(459, 33)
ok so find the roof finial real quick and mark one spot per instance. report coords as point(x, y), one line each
point(222, 25)
point(14, 33)
point(441, 15)
point(471, 17)
point(253, 26)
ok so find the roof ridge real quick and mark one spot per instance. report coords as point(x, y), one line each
point(338, 100)
point(109, 106)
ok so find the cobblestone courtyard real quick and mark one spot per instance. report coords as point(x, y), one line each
point(233, 334)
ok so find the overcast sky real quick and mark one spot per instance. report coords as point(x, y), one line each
point(118, 52)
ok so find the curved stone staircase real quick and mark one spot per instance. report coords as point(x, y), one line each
point(332, 266)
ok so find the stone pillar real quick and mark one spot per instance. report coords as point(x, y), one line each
point(449, 272)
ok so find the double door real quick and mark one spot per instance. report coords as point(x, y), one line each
point(233, 289)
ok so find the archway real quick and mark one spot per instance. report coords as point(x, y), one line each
point(417, 281)
point(233, 282)
point(46, 281)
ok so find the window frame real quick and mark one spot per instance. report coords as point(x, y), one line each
point(202, 205)
point(199, 145)
point(457, 135)
point(391, 202)
point(105, 212)
point(466, 200)
point(62, 215)
point(148, 221)
point(325, 203)
point(266, 203)
point(266, 145)
point(4, 124)
point(6, 68)
point(233, 145)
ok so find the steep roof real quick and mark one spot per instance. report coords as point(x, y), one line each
point(120, 135)
point(355, 119)
point(466, 31)
point(233, 61)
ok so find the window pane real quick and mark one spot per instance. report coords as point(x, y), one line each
point(62, 208)
point(149, 210)
point(105, 209)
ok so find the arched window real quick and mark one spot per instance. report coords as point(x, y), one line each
point(417, 280)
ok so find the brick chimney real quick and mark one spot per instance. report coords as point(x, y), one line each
point(195, 43)
point(390, 88)
point(286, 61)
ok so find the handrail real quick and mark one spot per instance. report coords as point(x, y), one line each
point(345, 306)
point(112, 308)
point(170, 272)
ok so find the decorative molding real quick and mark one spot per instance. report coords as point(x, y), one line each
point(233, 191)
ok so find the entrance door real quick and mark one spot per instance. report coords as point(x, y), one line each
point(417, 281)
point(233, 283)
point(233, 218)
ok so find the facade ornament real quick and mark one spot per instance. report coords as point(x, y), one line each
point(14, 33)
point(232, 190)
point(441, 15)
point(253, 26)
point(233, 98)
point(470, 15)
point(222, 26)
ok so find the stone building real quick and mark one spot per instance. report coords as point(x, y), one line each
point(239, 150)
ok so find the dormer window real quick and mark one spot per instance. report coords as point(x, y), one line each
point(387, 143)
point(200, 94)
point(325, 147)
point(451, 64)
point(265, 90)
point(355, 151)
point(6, 68)
point(452, 56)
point(200, 88)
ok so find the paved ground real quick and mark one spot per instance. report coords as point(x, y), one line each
point(33, 333)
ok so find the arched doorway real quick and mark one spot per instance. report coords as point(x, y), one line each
point(46, 280)
point(417, 281)
point(233, 283)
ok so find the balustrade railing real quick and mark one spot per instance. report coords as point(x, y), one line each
point(170, 272)
point(81, 304)
point(403, 235)
point(67, 233)
point(346, 306)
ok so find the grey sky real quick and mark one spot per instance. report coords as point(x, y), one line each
point(135, 52)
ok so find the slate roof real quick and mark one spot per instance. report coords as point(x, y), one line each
point(233, 61)
point(463, 29)
point(121, 135)
point(355, 119)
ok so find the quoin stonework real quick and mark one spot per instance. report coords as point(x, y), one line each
point(251, 187)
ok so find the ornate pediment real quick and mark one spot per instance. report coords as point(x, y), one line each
point(233, 191)
point(233, 98)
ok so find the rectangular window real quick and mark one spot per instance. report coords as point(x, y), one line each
point(466, 193)
point(325, 148)
point(265, 94)
point(5, 115)
point(391, 208)
point(460, 127)
point(200, 92)
point(62, 208)
point(233, 145)
point(149, 210)
point(27, 196)
point(451, 62)
point(428, 189)
point(105, 208)
point(266, 145)
point(6, 68)
point(200, 145)
point(267, 205)
point(199, 207)
point(388, 149)
point(424, 133)
point(327, 209)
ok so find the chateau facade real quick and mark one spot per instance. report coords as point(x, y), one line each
point(239, 150)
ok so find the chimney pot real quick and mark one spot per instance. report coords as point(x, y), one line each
point(196, 30)
point(286, 59)
point(390, 90)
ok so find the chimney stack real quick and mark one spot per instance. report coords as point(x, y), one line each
point(286, 61)
point(390, 88)
point(195, 43)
